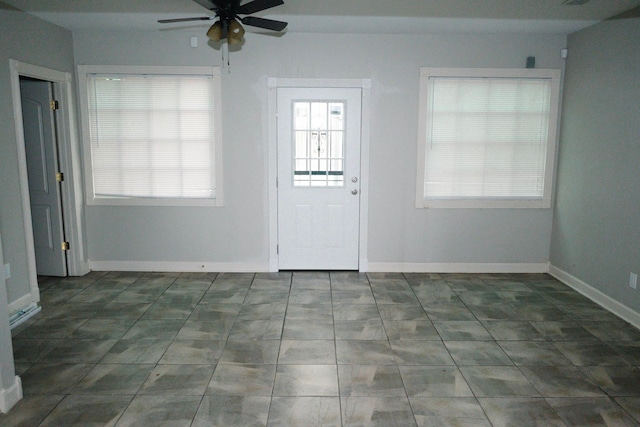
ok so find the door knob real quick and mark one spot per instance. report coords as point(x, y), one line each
point(354, 192)
point(354, 179)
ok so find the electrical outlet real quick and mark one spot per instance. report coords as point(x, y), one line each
point(633, 280)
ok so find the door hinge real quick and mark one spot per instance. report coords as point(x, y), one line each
point(59, 176)
point(54, 104)
point(65, 246)
point(278, 249)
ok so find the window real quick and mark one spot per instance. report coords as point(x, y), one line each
point(487, 137)
point(151, 135)
point(318, 132)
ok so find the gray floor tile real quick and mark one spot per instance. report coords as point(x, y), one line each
point(370, 380)
point(447, 311)
point(467, 353)
point(533, 353)
point(353, 352)
point(410, 330)
point(88, 411)
point(301, 329)
point(513, 330)
point(408, 352)
point(228, 411)
point(238, 380)
point(158, 329)
point(306, 380)
point(304, 411)
point(363, 296)
point(323, 348)
point(631, 405)
point(31, 410)
point(521, 412)
point(179, 380)
point(78, 351)
point(174, 411)
point(377, 411)
point(434, 381)
point(204, 330)
point(137, 350)
point(590, 353)
point(102, 329)
point(243, 330)
point(461, 330)
point(561, 381)
point(615, 380)
point(307, 352)
point(360, 330)
point(563, 331)
point(196, 352)
point(591, 412)
point(251, 352)
point(448, 411)
point(110, 379)
point(498, 381)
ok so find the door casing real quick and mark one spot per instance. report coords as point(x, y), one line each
point(69, 159)
point(272, 140)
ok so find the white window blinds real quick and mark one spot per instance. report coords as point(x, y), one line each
point(151, 136)
point(486, 138)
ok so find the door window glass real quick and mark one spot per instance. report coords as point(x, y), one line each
point(318, 151)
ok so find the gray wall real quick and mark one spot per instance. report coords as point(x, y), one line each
point(596, 234)
point(30, 40)
point(398, 233)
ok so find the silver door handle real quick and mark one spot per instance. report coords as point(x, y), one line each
point(354, 192)
point(354, 179)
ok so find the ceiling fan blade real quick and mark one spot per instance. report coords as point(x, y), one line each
point(268, 24)
point(209, 4)
point(168, 21)
point(257, 5)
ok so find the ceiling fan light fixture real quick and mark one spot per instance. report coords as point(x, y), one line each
point(215, 32)
point(236, 32)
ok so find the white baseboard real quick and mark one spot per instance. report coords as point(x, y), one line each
point(596, 296)
point(177, 266)
point(21, 303)
point(401, 267)
point(10, 396)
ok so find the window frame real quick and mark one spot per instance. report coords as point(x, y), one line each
point(212, 72)
point(552, 139)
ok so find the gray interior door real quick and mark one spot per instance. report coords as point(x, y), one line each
point(42, 166)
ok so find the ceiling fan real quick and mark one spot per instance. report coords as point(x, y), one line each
point(227, 12)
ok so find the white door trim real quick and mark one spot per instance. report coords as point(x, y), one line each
point(272, 141)
point(69, 159)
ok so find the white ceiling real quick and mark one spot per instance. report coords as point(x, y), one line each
point(344, 16)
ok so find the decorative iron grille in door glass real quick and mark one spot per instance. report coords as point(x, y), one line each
point(318, 129)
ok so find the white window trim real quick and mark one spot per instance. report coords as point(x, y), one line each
point(213, 72)
point(545, 201)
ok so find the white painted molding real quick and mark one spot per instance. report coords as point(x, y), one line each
point(19, 304)
point(10, 396)
point(605, 301)
point(445, 267)
point(178, 266)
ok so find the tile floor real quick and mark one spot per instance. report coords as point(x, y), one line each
point(323, 349)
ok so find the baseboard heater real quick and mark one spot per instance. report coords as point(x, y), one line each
point(23, 315)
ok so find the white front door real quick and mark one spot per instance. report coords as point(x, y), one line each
point(42, 165)
point(319, 131)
